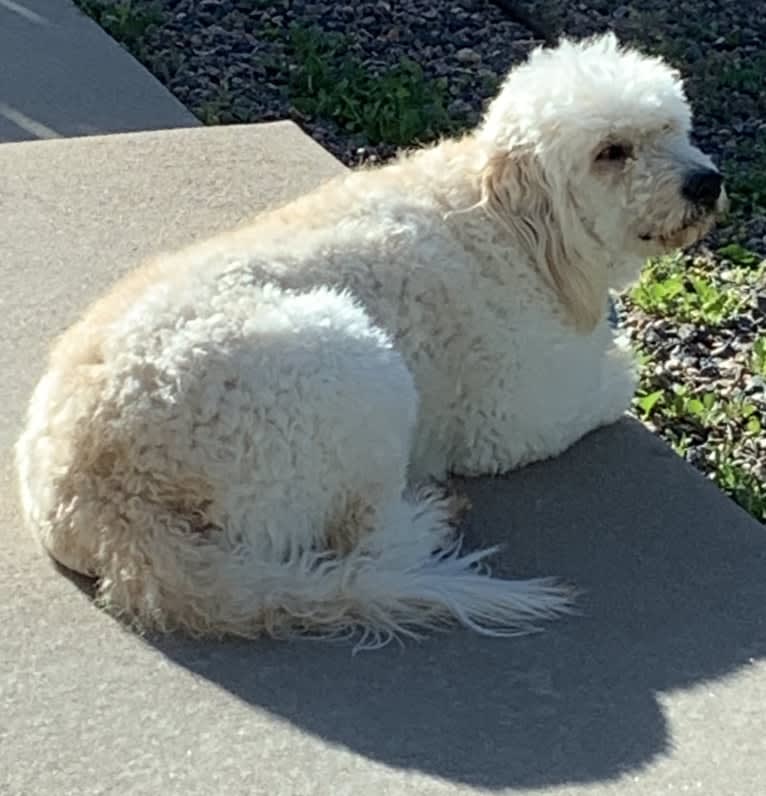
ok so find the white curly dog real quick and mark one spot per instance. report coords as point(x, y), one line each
point(248, 436)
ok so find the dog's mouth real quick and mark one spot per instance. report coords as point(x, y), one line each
point(668, 238)
point(680, 237)
point(696, 225)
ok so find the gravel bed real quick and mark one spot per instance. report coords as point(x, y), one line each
point(229, 61)
point(206, 46)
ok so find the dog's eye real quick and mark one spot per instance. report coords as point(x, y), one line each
point(614, 153)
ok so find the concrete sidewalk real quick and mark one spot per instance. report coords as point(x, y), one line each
point(60, 76)
point(658, 688)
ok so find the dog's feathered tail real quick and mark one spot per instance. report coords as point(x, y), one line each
point(390, 587)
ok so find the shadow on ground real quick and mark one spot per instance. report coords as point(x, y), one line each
point(675, 589)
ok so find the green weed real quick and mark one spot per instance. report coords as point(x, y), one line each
point(758, 357)
point(399, 107)
point(669, 288)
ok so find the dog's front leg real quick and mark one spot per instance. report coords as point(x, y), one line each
point(505, 428)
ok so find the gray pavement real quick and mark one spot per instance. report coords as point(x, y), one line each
point(61, 76)
point(658, 687)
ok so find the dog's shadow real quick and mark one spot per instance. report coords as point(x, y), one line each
point(674, 595)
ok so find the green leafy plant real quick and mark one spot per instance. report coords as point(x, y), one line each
point(647, 401)
point(670, 288)
point(744, 487)
point(739, 255)
point(399, 107)
point(758, 357)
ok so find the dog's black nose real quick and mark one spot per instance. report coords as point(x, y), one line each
point(703, 187)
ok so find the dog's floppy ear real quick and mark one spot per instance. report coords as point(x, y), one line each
point(544, 220)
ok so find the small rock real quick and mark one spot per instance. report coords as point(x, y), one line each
point(468, 56)
point(723, 349)
point(651, 338)
point(755, 385)
point(686, 332)
point(695, 457)
point(458, 108)
point(672, 363)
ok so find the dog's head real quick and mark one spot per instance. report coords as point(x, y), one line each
point(588, 158)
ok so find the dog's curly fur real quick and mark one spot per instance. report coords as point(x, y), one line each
point(240, 437)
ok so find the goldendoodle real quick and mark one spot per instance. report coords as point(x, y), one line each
point(248, 436)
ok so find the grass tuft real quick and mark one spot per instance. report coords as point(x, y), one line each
point(399, 107)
